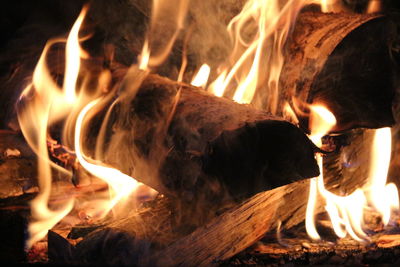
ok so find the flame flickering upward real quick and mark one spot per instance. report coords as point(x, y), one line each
point(258, 60)
point(201, 78)
point(347, 212)
point(43, 103)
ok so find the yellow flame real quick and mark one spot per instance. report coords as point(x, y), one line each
point(167, 20)
point(347, 212)
point(335, 6)
point(321, 122)
point(310, 211)
point(384, 197)
point(72, 57)
point(257, 61)
point(144, 56)
point(289, 114)
point(42, 103)
point(201, 78)
point(217, 86)
point(122, 184)
point(48, 103)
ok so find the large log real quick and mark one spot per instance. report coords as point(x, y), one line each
point(344, 62)
point(189, 144)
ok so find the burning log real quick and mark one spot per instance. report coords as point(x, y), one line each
point(342, 61)
point(200, 146)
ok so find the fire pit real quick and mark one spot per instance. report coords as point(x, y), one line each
point(198, 133)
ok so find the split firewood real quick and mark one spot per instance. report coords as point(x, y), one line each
point(242, 225)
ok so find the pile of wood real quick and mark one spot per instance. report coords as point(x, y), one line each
point(229, 172)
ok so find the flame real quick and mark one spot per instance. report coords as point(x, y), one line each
point(122, 184)
point(217, 87)
point(382, 196)
point(321, 122)
point(289, 113)
point(145, 56)
point(72, 57)
point(41, 104)
point(335, 6)
point(258, 34)
point(201, 78)
point(258, 61)
point(347, 212)
point(34, 121)
point(167, 20)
